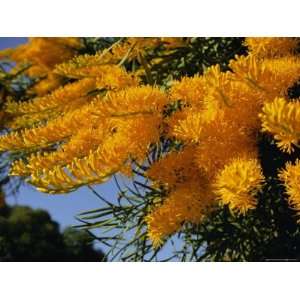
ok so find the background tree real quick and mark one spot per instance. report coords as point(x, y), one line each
point(31, 235)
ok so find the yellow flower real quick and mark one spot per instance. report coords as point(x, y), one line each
point(291, 179)
point(83, 62)
point(189, 89)
point(93, 160)
point(59, 97)
point(54, 131)
point(175, 168)
point(39, 71)
point(44, 86)
point(281, 118)
point(106, 76)
point(132, 101)
point(268, 47)
point(237, 184)
point(221, 141)
point(189, 203)
point(122, 123)
point(79, 146)
point(190, 128)
point(261, 75)
point(217, 84)
point(46, 52)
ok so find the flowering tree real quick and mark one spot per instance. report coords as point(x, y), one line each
point(205, 129)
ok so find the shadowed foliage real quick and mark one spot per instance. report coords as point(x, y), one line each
point(31, 235)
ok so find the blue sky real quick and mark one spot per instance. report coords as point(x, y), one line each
point(8, 42)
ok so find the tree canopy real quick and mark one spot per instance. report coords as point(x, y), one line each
point(31, 235)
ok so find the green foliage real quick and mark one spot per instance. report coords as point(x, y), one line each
point(31, 235)
point(195, 58)
point(94, 44)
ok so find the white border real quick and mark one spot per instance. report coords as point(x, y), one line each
point(142, 280)
point(148, 281)
point(149, 18)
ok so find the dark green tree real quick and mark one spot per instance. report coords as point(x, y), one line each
point(31, 235)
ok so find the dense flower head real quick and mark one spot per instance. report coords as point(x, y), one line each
point(175, 168)
point(124, 142)
point(237, 183)
point(132, 101)
point(79, 145)
point(188, 203)
point(290, 176)
point(260, 75)
point(45, 86)
point(281, 118)
point(189, 89)
point(223, 142)
point(191, 127)
point(266, 47)
point(61, 96)
point(46, 52)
